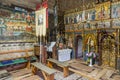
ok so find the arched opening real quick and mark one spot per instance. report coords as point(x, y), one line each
point(79, 45)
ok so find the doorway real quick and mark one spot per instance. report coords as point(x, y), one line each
point(79, 45)
point(108, 50)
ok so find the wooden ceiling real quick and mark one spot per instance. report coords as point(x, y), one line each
point(63, 5)
point(30, 4)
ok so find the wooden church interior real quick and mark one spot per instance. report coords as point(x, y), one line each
point(54, 39)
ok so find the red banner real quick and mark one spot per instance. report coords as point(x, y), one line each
point(43, 4)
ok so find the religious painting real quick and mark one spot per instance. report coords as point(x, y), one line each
point(87, 15)
point(114, 0)
point(93, 25)
point(107, 24)
point(80, 17)
point(66, 19)
point(76, 27)
point(3, 28)
point(100, 25)
point(77, 17)
point(116, 23)
point(103, 11)
point(67, 28)
point(71, 19)
point(87, 26)
point(98, 11)
point(41, 20)
point(115, 10)
point(90, 15)
point(80, 26)
point(83, 16)
point(90, 42)
point(71, 27)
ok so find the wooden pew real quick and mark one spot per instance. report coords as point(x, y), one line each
point(82, 69)
point(4, 75)
point(3, 71)
point(22, 73)
point(33, 77)
point(47, 72)
point(60, 64)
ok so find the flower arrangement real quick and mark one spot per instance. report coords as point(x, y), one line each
point(90, 56)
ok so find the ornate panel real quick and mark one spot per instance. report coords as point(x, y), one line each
point(108, 50)
point(90, 42)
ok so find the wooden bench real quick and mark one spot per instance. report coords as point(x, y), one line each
point(82, 69)
point(60, 64)
point(47, 72)
point(33, 77)
point(3, 71)
point(82, 73)
point(22, 73)
point(4, 75)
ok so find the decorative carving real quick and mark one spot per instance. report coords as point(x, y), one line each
point(108, 50)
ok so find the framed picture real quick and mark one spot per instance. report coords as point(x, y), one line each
point(87, 26)
point(67, 28)
point(115, 10)
point(116, 23)
point(66, 19)
point(98, 11)
point(71, 27)
point(100, 25)
point(76, 27)
point(93, 25)
point(103, 11)
point(107, 24)
point(75, 18)
point(81, 26)
point(90, 15)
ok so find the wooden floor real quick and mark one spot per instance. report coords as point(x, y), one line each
point(78, 70)
point(93, 73)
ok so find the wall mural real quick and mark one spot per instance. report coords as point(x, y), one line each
point(16, 25)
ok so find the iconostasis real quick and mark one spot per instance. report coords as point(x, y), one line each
point(98, 27)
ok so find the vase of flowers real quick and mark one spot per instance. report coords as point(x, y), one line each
point(89, 58)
